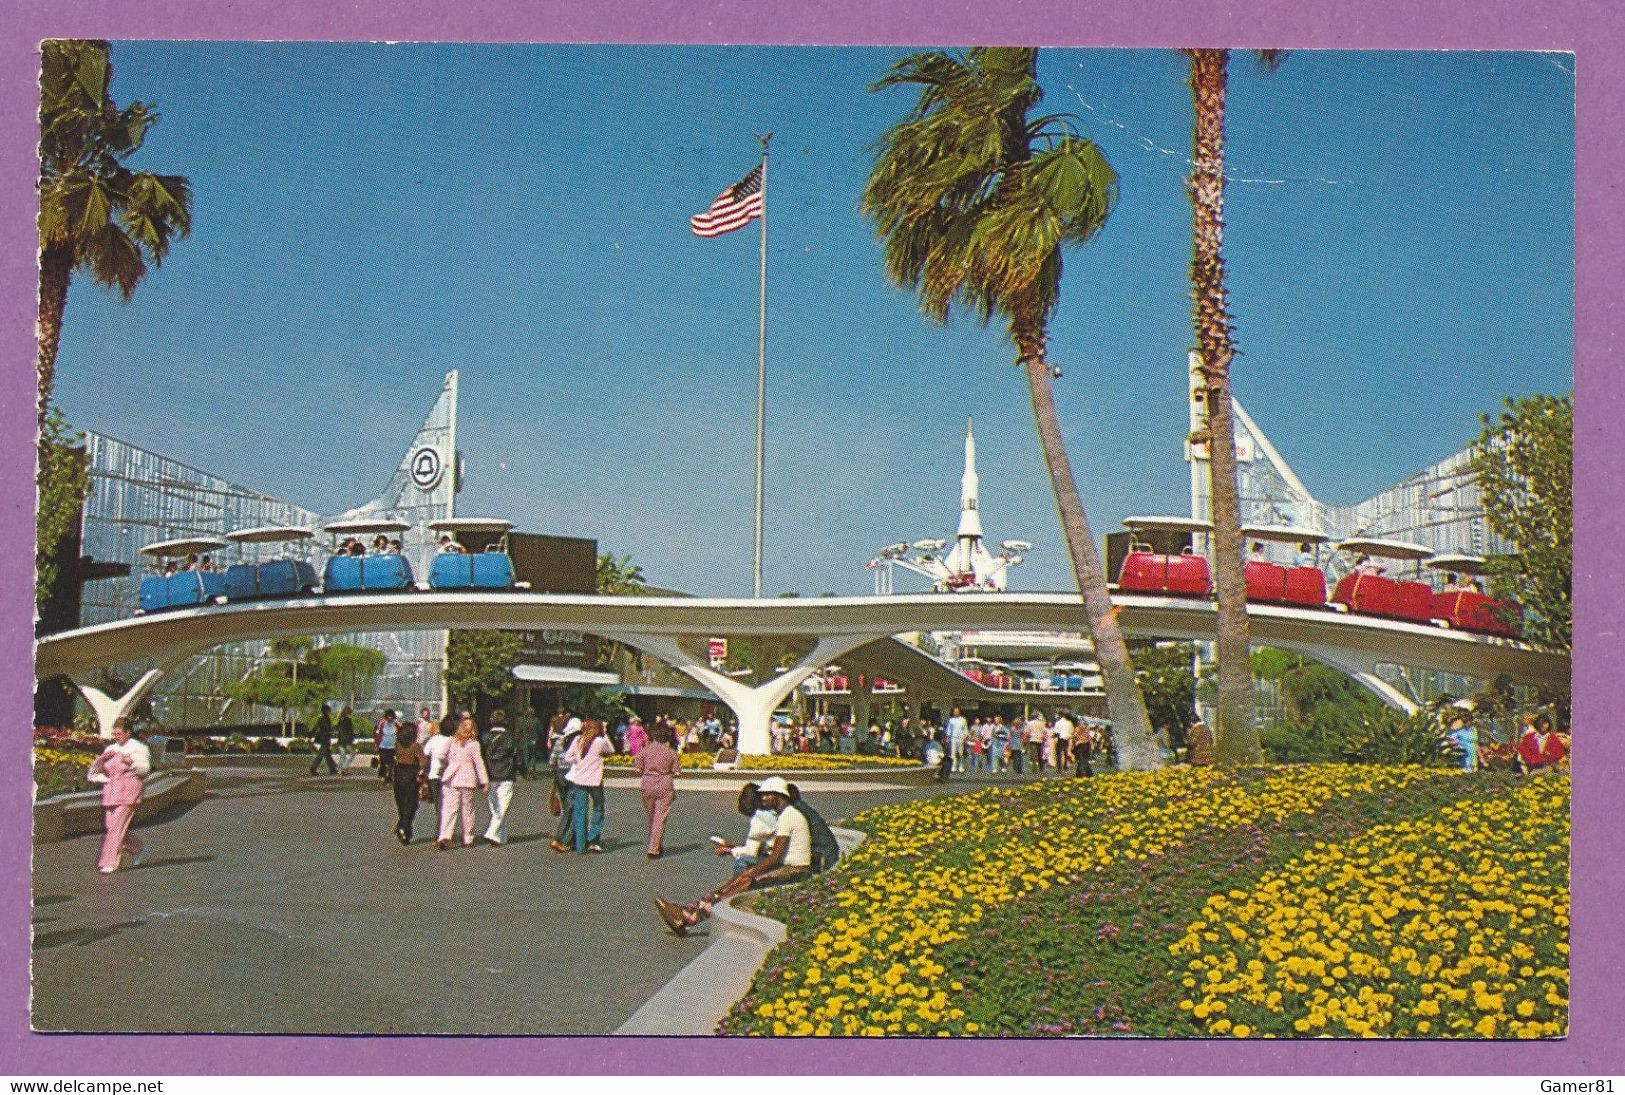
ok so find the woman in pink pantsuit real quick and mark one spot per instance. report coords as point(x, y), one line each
point(119, 769)
point(658, 765)
point(636, 737)
point(461, 773)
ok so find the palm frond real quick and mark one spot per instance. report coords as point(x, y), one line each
point(114, 260)
point(972, 197)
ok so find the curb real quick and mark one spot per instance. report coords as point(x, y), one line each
point(700, 996)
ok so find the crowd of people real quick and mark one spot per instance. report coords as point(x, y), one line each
point(1536, 746)
point(381, 545)
point(453, 767)
point(194, 564)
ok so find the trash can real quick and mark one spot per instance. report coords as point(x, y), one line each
point(167, 751)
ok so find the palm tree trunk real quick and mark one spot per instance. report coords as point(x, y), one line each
point(1124, 705)
point(55, 271)
point(1235, 737)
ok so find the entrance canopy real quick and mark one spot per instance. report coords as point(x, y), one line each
point(562, 674)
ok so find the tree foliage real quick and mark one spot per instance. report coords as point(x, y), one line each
point(96, 213)
point(619, 576)
point(974, 196)
point(1168, 683)
point(62, 482)
point(1524, 462)
point(597, 703)
point(479, 666)
point(347, 669)
point(1331, 719)
point(297, 676)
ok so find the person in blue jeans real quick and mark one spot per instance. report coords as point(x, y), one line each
point(585, 775)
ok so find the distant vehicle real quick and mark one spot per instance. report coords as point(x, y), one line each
point(1187, 574)
point(486, 570)
point(275, 578)
point(1469, 609)
point(1271, 582)
point(373, 573)
point(1147, 571)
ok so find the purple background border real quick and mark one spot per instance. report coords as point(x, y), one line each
point(1587, 27)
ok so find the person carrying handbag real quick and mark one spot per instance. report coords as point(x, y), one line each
point(464, 772)
point(408, 782)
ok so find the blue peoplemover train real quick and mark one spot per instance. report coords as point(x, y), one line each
point(452, 569)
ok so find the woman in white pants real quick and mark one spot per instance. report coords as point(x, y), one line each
point(502, 765)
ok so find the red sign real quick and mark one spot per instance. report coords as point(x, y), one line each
point(718, 651)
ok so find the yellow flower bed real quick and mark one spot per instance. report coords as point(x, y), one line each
point(875, 971)
point(1452, 926)
point(45, 755)
point(789, 762)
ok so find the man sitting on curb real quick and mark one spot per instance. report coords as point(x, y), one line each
point(789, 859)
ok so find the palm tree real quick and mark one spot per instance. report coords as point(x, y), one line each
point(1235, 738)
point(96, 214)
point(975, 199)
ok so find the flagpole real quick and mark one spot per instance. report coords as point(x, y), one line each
point(761, 375)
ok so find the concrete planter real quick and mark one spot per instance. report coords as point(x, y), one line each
point(699, 997)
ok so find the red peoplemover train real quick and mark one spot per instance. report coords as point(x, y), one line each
point(1188, 575)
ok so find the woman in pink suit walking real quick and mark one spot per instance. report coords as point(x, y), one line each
point(462, 772)
point(119, 769)
point(658, 766)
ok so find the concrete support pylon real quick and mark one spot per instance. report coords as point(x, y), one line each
point(110, 709)
point(1364, 673)
point(862, 700)
point(753, 706)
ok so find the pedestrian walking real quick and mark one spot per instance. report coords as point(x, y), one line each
point(1199, 745)
point(408, 781)
point(562, 736)
point(527, 735)
point(958, 731)
point(464, 772)
point(636, 737)
point(1084, 740)
point(119, 769)
point(389, 728)
point(323, 737)
point(434, 753)
point(658, 766)
point(585, 776)
point(502, 765)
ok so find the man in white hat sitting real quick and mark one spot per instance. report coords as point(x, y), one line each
point(789, 859)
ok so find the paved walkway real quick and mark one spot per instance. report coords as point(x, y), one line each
point(283, 904)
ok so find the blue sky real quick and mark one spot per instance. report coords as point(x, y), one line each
point(1399, 242)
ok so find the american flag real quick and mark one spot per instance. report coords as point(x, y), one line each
point(734, 208)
